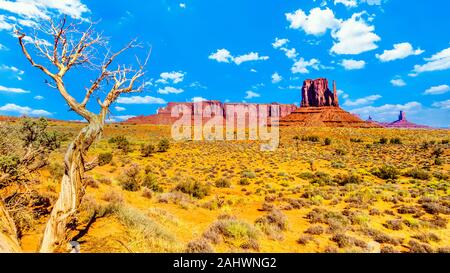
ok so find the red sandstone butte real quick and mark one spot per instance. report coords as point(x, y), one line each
point(403, 123)
point(320, 108)
point(163, 116)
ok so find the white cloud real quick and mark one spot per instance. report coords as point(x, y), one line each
point(252, 56)
point(224, 56)
point(442, 104)
point(182, 5)
point(301, 66)
point(251, 94)
point(124, 117)
point(350, 64)
point(347, 3)
point(316, 23)
point(387, 111)
point(140, 100)
point(354, 36)
point(170, 90)
point(221, 56)
point(18, 73)
point(437, 62)
point(398, 82)
point(23, 110)
point(174, 77)
point(279, 42)
point(400, 51)
point(372, 2)
point(362, 101)
point(276, 78)
point(42, 9)
point(197, 85)
point(13, 90)
point(119, 108)
point(198, 99)
point(253, 70)
point(38, 97)
point(437, 90)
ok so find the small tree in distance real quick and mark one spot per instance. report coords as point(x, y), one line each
point(76, 45)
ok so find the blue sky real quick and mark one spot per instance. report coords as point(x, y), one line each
point(385, 56)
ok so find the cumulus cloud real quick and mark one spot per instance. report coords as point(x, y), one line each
point(23, 110)
point(171, 77)
point(251, 95)
point(301, 66)
point(42, 9)
point(38, 97)
point(437, 62)
point(291, 53)
point(224, 56)
point(13, 90)
point(316, 23)
point(354, 36)
point(119, 108)
point(442, 104)
point(279, 42)
point(362, 101)
point(347, 3)
point(437, 90)
point(170, 90)
point(182, 5)
point(398, 82)
point(276, 78)
point(140, 100)
point(400, 51)
point(350, 64)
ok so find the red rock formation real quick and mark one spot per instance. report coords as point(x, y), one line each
point(315, 93)
point(403, 123)
point(320, 108)
point(163, 116)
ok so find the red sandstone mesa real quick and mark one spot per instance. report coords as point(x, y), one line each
point(402, 122)
point(315, 93)
point(164, 114)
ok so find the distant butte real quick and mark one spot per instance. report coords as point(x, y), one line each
point(320, 108)
point(402, 122)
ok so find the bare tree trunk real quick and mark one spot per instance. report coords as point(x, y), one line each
point(8, 232)
point(72, 187)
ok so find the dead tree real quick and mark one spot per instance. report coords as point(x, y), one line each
point(72, 47)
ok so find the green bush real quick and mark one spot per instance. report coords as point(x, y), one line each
point(150, 181)
point(417, 173)
point(396, 140)
point(193, 188)
point(9, 164)
point(122, 143)
point(344, 179)
point(147, 150)
point(163, 145)
point(105, 158)
point(223, 183)
point(130, 179)
point(248, 174)
point(383, 140)
point(327, 141)
point(311, 138)
point(244, 181)
point(386, 172)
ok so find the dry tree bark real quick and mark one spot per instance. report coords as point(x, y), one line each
point(71, 48)
point(8, 233)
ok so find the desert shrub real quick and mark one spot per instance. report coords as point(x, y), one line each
point(104, 180)
point(315, 230)
point(337, 165)
point(130, 179)
point(426, 237)
point(113, 197)
point(147, 193)
point(305, 239)
point(416, 247)
point(382, 238)
point(417, 173)
point(356, 140)
point(9, 164)
point(121, 143)
point(244, 181)
point(90, 181)
point(383, 140)
point(344, 179)
point(248, 174)
point(223, 183)
point(386, 172)
point(343, 241)
point(273, 223)
point(440, 176)
point(437, 152)
point(435, 208)
point(311, 138)
point(327, 141)
point(163, 145)
point(396, 140)
point(438, 161)
point(306, 175)
point(199, 246)
point(150, 181)
point(147, 150)
point(56, 170)
point(340, 152)
point(388, 249)
point(194, 188)
point(395, 224)
point(105, 158)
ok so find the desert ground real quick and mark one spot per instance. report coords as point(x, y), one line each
point(322, 190)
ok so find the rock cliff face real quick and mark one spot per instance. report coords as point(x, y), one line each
point(320, 108)
point(315, 93)
point(163, 116)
